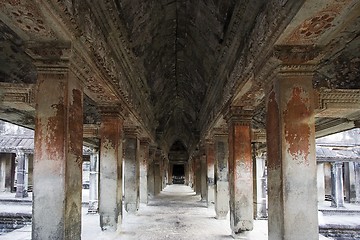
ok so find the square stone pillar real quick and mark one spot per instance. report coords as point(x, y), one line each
point(290, 127)
point(221, 175)
point(203, 168)
point(357, 182)
point(197, 175)
point(144, 159)
point(240, 172)
point(337, 185)
point(22, 174)
point(57, 147)
point(132, 170)
point(94, 182)
point(321, 183)
point(260, 186)
point(151, 173)
point(110, 182)
point(6, 164)
point(210, 176)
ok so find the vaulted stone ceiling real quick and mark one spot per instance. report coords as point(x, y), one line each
point(178, 44)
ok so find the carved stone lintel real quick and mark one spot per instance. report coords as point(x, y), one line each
point(220, 132)
point(145, 140)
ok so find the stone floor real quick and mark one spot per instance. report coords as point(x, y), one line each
point(177, 213)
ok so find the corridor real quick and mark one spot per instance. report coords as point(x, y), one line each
point(177, 213)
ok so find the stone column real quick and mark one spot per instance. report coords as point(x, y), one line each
point(259, 184)
point(57, 147)
point(157, 174)
point(144, 159)
point(151, 174)
point(290, 127)
point(198, 175)
point(5, 171)
point(187, 175)
point(203, 167)
point(337, 185)
point(221, 175)
point(132, 170)
point(210, 161)
point(93, 182)
point(321, 183)
point(21, 183)
point(110, 182)
point(240, 172)
point(357, 182)
point(171, 170)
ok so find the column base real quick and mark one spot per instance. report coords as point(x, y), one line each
point(240, 235)
point(221, 215)
point(131, 207)
point(93, 207)
point(21, 194)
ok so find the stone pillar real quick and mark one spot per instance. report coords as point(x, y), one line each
point(352, 182)
point(132, 170)
point(321, 183)
point(198, 175)
point(260, 211)
point(5, 172)
point(144, 159)
point(203, 167)
point(93, 182)
point(210, 162)
point(57, 147)
point(157, 172)
point(221, 175)
point(151, 174)
point(337, 185)
point(21, 186)
point(110, 182)
point(157, 178)
point(290, 127)
point(357, 182)
point(240, 172)
point(186, 170)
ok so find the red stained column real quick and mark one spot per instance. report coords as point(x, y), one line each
point(110, 184)
point(240, 171)
point(292, 192)
point(57, 171)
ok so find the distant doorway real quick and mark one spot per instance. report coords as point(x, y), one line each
point(178, 174)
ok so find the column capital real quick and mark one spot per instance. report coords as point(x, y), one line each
point(238, 115)
point(145, 140)
point(50, 57)
point(132, 131)
point(112, 111)
point(220, 132)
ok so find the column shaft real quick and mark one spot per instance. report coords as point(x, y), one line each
point(357, 182)
point(240, 175)
point(132, 172)
point(144, 159)
point(151, 175)
point(58, 157)
point(21, 186)
point(110, 184)
point(292, 191)
point(203, 178)
point(321, 182)
point(260, 186)
point(210, 161)
point(221, 176)
point(93, 182)
point(337, 187)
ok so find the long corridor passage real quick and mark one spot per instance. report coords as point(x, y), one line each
point(177, 213)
